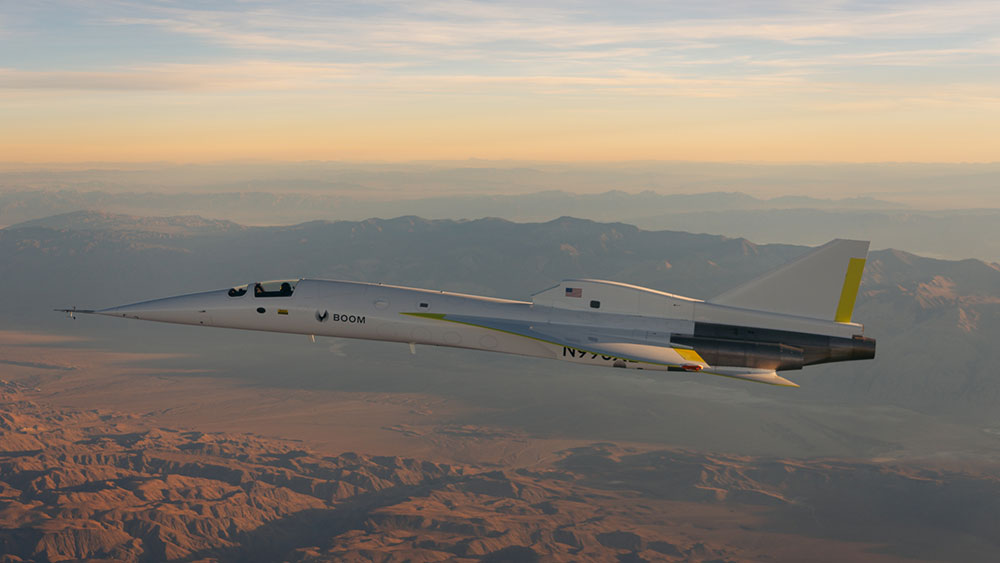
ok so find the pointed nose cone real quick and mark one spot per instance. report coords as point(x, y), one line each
point(192, 309)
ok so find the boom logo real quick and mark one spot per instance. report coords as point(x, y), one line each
point(323, 316)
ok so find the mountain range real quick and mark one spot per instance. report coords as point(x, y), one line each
point(934, 231)
point(936, 321)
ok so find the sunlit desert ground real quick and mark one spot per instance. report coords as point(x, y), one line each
point(406, 424)
point(106, 455)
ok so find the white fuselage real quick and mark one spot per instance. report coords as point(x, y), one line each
point(798, 315)
point(401, 314)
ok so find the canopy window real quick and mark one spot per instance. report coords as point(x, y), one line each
point(279, 288)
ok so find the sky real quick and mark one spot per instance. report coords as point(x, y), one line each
point(821, 81)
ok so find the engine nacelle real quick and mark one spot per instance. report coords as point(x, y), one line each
point(723, 352)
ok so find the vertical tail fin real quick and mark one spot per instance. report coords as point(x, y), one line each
point(823, 284)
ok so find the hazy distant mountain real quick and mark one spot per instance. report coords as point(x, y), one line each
point(944, 234)
point(277, 207)
point(960, 185)
point(102, 221)
point(936, 321)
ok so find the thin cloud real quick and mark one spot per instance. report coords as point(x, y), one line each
point(492, 39)
point(623, 83)
point(469, 24)
point(900, 58)
point(384, 80)
point(251, 75)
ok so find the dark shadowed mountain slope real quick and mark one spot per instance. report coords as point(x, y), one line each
point(938, 323)
point(102, 221)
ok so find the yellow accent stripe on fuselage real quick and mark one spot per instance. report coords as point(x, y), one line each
point(690, 355)
point(849, 294)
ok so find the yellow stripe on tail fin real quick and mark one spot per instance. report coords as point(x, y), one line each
point(849, 294)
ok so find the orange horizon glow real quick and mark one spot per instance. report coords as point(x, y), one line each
point(682, 132)
point(887, 83)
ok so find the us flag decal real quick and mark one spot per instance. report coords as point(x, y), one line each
point(574, 292)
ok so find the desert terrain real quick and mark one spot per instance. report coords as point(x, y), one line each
point(201, 467)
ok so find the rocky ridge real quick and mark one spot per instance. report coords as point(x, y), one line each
point(96, 485)
point(90, 484)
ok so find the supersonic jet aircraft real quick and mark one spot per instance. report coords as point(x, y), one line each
point(798, 315)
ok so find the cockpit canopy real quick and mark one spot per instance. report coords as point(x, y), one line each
point(275, 288)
